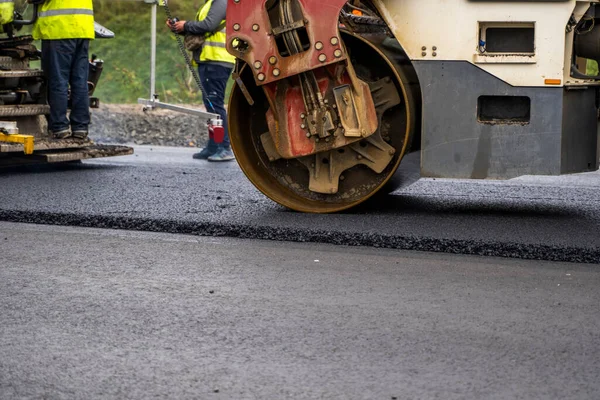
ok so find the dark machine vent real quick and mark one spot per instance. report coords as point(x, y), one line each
point(510, 40)
point(504, 109)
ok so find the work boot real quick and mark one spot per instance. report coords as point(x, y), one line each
point(61, 134)
point(210, 149)
point(80, 135)
point(224, 154)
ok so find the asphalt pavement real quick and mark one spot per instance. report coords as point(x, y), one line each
point(114, 314)
point(165, 190)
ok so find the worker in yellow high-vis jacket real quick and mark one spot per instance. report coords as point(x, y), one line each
point(65, 28)
point(7, 11)
point(215, 65)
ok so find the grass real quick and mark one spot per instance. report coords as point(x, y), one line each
point(126, 74)
point(592, 68)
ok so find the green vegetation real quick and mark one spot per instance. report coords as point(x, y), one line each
point(126, 74)
point(592, 68)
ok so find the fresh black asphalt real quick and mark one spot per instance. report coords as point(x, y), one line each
point(164, 190)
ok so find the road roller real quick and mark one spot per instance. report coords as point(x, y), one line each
point(24, 137)
point(332, 98)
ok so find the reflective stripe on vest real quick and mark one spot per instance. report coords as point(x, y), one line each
point(214, 47)
point(7, 11)
point(215, 44)
point(65, 19)
point(65, 11)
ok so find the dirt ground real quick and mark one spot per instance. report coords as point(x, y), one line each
point(128, 124)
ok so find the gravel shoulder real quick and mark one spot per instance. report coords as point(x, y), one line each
point(129, 124)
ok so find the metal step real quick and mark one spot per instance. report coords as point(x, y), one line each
point(46, 144)
point(66, 155)
point(23, 110)
point(22, 73)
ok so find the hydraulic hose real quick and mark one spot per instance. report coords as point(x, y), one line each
point(21, 22)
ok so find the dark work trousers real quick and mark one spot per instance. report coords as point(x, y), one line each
point(214, 78)
point(65, 63)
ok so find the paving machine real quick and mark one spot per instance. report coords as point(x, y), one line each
point(332, 95)
point(24, 135)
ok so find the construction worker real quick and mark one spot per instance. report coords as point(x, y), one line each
point(215, 65)
point(7, 10)
point(65, 28)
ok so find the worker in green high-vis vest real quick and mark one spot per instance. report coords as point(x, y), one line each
point(65, 28)
point(215, 65)
point(7, 12)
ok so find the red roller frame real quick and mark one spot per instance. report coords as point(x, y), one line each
point(321, 24)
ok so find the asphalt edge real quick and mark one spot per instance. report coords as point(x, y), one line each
point(429, 244)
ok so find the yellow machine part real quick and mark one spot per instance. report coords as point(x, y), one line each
point(7, 9)
point(26, 140)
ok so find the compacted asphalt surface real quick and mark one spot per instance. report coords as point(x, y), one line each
point(114, 314)
point(165, 190)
